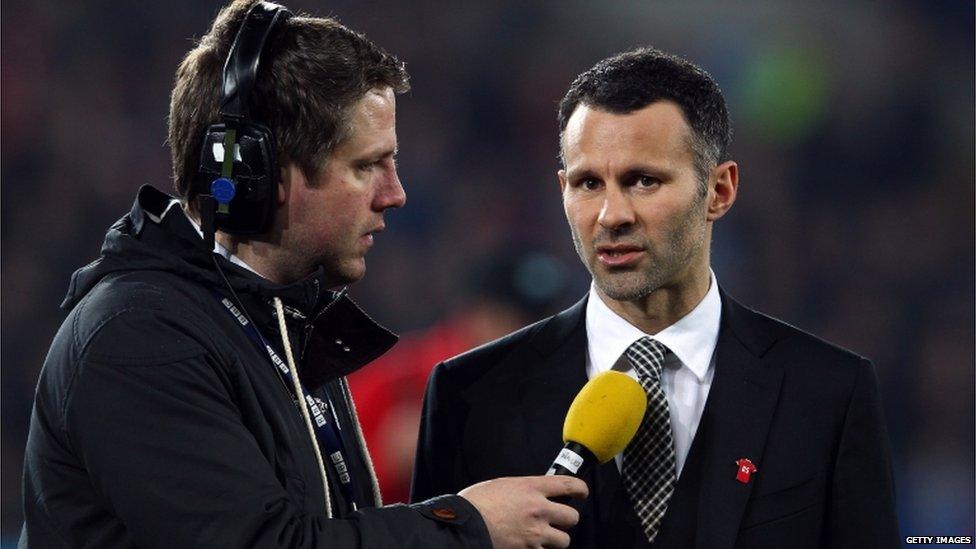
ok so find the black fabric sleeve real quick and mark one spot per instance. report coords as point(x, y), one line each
point(163, 442)
point(443, 521)
point(862, 505)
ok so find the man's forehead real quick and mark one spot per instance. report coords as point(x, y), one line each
point(662, 116)
point(659, 126)
point(372, 122)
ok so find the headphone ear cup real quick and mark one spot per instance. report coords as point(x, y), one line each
point(255, 177)
point(248, 192)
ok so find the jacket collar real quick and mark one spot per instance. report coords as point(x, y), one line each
point(343, 339)
point(326, 326)
point(157, 222)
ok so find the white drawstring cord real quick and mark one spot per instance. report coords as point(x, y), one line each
point(303, 405)
point(347, 394)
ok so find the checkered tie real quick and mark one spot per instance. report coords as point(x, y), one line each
point(648, 465)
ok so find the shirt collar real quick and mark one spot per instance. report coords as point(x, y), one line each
point(692, 338)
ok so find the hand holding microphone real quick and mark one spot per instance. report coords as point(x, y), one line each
point(519, 511)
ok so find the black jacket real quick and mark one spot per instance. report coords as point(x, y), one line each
point(157, 422)
point(805, 412)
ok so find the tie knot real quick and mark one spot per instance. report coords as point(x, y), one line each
point(647, 357)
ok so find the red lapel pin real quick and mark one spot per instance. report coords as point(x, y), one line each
point(745, 470)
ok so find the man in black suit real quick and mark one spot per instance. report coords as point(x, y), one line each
point(757, 434)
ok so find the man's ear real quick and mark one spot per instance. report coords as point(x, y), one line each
point(289, 174)
point(724, 185)
point(561, 174)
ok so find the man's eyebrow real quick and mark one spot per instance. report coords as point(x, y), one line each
point(630, 171)
point(381, 154)
point(647, 169)
point(580, 173)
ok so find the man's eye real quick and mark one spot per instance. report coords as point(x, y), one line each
point(376, 164)
point(590, 184)
point(647, 181)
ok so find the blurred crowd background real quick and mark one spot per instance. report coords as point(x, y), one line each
point(854, 133)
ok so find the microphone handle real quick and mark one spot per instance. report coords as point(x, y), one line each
point(574, 460)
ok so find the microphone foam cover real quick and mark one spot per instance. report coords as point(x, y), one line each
point(605, 414)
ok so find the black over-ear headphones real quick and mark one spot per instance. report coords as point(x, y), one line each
point(238, 173)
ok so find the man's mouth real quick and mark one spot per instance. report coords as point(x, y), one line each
point(619, 255)
point(369, 235)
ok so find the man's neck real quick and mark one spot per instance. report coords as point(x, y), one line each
point(664, 306)
point(256, 255)
point(259, 255)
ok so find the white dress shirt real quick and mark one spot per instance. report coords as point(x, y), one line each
point(688, 369)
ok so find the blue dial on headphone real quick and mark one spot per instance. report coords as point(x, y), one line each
point(223, 190)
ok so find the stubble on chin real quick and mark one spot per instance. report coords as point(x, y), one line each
point(655, 271)
point(346, 272)
point(620, 285)
point(628, 285)
point(341, 269)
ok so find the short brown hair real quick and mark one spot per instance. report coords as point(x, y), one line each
point(313, 69)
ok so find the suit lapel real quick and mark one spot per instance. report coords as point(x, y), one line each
point(738, 413)
point(558, 373)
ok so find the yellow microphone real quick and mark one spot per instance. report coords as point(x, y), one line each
point(601, 421)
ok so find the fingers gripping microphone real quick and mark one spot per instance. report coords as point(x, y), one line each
point(601, 421)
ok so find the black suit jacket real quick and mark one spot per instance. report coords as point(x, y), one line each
point(805, 412)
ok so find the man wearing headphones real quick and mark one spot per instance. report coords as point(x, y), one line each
point(195, 395)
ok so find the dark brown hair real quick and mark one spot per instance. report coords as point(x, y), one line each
point(312, 70)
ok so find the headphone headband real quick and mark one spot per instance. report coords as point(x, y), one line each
point(241, 67)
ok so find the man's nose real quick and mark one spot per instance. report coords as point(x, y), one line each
point(391, 194)
point(617, 210)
